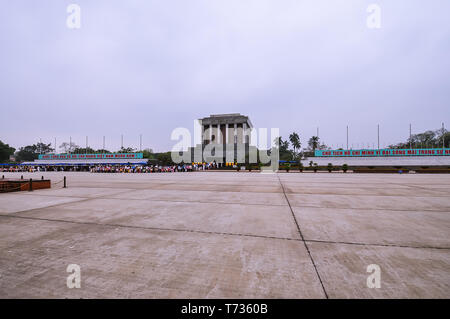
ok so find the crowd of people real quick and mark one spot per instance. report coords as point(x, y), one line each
point(43, 168)
point(109, 168)
point(18, 168)
point(139, 168)
point(152, 168)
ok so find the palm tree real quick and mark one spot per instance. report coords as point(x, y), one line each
point(313, 142)
point(282, 145)
point(295, 141)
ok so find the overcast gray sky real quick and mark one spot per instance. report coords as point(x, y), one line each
point(147, 67)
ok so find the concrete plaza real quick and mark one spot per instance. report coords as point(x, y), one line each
point(227, 235)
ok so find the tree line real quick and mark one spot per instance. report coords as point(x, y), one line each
point(32, 152)
point(428, 139)
point(290, 149)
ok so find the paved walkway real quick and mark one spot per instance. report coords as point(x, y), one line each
point(227, 235)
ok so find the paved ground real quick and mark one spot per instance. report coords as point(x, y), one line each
point(228, 235)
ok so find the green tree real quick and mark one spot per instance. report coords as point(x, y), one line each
point(5, 151)
point(345, 168)
point(313, 143)
point(102, 151)
point(31, 152)
point(68, 147)
point(428, 139)
point(82, 150)
point(148, 153)
point(294, 138)
point(283, 148)
point(330, 167)
point(126, 150)
point(164, 158)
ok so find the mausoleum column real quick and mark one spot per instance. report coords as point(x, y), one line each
point(244, 133)
point(203, 135)
point(210, 133)
point(217, 133)
point(226, 133)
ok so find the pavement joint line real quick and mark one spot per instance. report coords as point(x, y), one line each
point(442, 193)
point(162, 200)
point(219, 233)
point(303, 239)
point(82, 199)
point(376, 209)
point(352, 185)
point(371, 195)
point(287, 192)
point(371, 244)
point(174, 189)
point(423, 188)
point(67, 196)
point(148, 228)
point(109, 187)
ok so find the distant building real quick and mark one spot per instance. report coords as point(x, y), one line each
point(225, 137)
point(231, 128)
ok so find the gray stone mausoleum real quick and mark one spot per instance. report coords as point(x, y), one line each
point(231, 128)
point(225, 137)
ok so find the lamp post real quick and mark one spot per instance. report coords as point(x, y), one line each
point(347, 137)
point(410, 136)
point(378, 135)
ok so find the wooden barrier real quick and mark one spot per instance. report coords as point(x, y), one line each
point(23, 185)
